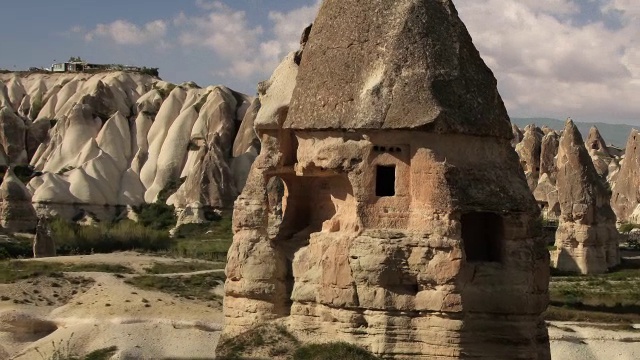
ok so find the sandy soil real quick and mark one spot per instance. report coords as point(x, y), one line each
point(86, 315)
point(108, 312)
point(579, 341)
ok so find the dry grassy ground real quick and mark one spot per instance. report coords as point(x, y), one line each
point(148, 307)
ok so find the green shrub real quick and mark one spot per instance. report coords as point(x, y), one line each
point(150, 71)
point(24, 172)
point(331, 351)
point(71, 238)
point(158, 215)
point(627, 227)
point(172, 186)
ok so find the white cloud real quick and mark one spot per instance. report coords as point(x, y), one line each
point(549, 57)
point(250, 51)
point(124, 32)
point(548, 66)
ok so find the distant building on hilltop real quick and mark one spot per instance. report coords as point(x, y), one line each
point(82, 66)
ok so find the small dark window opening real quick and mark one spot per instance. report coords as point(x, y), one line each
point(482, 235)
point(385, 180)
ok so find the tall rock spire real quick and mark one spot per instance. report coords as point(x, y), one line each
point(586, 239)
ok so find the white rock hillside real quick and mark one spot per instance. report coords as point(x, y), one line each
point(102, 141)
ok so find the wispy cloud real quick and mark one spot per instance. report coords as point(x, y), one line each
point(249, 50)
point(123, 32)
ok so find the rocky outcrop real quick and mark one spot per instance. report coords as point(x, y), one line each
point(599, 152)
point(625, 196)
point(13, 136)
point(112, 139)
point(43, 244)
point(16, 212)
point(209, 182)
point(517, 135)
point(418, 241)
point(545, 191)
point(529, 150)
point(586, 239)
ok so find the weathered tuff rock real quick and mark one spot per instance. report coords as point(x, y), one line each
point(43, 244)
point(16, 212)
point(545, 191)
point(113, 139)
point(625, 196)
point(12, 136)
point(414, 242)
point(586, 239)
point(517, 135)
point(529, 150)
point(598, 151)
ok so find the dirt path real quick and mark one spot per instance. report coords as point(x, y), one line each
point(142, 324)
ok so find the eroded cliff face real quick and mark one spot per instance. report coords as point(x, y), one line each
point(412, 236)
point(586, 240)
point(99, 142)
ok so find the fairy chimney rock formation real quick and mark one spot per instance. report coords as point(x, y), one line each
point(586, 239)
point(595, 142)
point(599, 152)
point(407, 224)
point(43, 244)
point(626, 198)
point(16, 211)
point(517, 135)
point(529, 150)
point(545, 191)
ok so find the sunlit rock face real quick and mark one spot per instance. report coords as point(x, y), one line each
point(406, 224)
point(625, 197)
point(529, 150)
point(16, 212)
point(586, 239)
point(101, 142)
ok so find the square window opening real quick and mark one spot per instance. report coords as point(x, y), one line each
point(385, 181)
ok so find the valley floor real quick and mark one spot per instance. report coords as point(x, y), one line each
point(140, 305)
point(142, 324)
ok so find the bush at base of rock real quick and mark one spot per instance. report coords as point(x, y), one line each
point(15, 249)
point(156, 216)
point(103, 238)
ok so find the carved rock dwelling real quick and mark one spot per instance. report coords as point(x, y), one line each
point(407, 226)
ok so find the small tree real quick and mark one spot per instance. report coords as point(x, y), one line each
point(75, 59)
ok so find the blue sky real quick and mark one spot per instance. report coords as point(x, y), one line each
point(552, 58)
